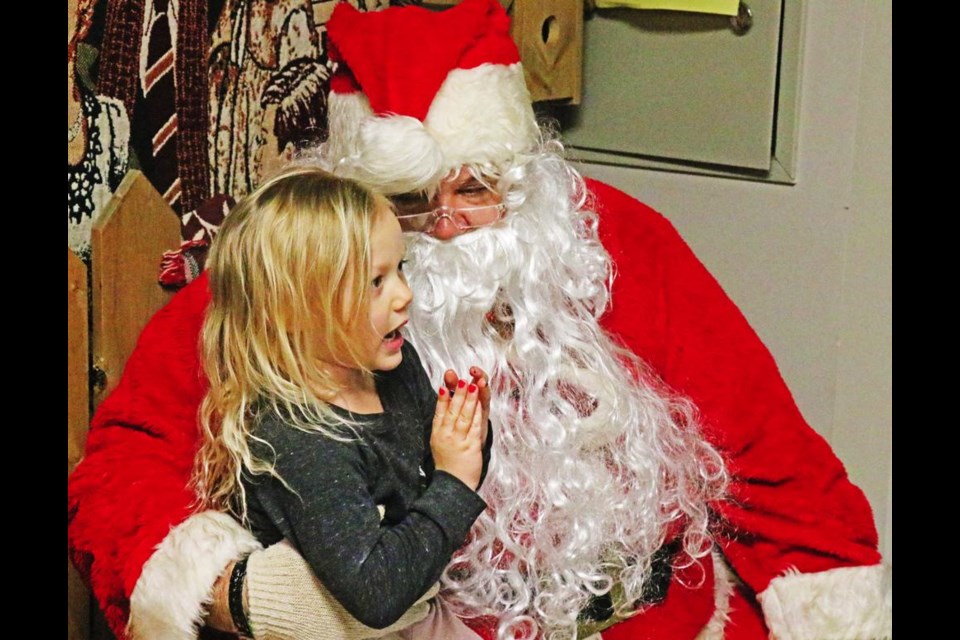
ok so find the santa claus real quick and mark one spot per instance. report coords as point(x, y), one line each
point(651, 477)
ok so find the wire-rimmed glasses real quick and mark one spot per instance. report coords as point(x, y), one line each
point(464, 218)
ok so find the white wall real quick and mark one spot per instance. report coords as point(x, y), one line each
point(811, 264)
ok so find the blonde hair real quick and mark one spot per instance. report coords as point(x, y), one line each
point(288, 275)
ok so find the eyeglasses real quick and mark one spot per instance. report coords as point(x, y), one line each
point(464, 218)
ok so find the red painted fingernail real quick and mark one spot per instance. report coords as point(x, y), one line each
point(472, 388)
point(443, 391)
point(461, 384)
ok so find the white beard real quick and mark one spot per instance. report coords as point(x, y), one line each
point(590, 465)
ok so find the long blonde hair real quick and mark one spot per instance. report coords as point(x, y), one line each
point(288, 276)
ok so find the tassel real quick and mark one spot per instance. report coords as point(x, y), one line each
point(181, 266)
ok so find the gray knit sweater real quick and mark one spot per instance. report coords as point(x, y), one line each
point(375, 569)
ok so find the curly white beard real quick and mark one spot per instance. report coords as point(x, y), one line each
point(594, 465)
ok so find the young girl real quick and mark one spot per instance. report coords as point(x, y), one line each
point(318, 416)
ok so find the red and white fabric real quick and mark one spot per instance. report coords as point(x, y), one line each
point(794, 529)
point(796, 553)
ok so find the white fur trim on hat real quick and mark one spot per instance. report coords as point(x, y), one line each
point(482, 115)
point(394, 154)
point(849, 603)
point(479, 116)
point(170, 598)
point(345, 113)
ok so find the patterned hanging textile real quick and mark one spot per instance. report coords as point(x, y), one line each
point(153, 60)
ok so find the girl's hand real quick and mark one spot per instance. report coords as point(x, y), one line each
point(459, 431)
point(479, 378)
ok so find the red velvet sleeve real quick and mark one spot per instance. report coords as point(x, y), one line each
point(130, 488)
point(791, 504)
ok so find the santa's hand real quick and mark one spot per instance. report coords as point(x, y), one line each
point(456, 440)
point(450, 381)
point(286, 601)
point(483, 385)
point(479, 377)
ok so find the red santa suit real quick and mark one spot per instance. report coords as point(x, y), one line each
point(794, 527)
point(796, 548)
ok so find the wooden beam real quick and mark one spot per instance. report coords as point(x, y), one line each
point(127, 245)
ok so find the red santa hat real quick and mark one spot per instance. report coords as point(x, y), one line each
point(418, 93)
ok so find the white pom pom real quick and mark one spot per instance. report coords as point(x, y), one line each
point(396, 154)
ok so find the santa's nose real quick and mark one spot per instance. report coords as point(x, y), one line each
point(445, 229)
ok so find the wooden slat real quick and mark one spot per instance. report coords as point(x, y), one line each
point(127, 244)
point(78, 417)
point(78, 606)
point(78, 349)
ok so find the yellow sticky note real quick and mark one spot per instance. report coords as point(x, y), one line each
point(722, 7)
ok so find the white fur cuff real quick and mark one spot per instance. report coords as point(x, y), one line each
point(850, 603)
point(176, 584)
point(724, 584)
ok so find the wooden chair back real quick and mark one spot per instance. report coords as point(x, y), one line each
point(108, 306)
